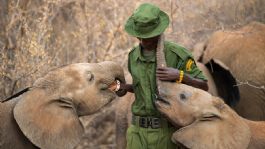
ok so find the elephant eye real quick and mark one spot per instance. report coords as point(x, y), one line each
point(103, 86)
point(184, 96)
point(90, 76)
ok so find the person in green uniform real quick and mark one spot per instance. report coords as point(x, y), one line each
point(149, 130)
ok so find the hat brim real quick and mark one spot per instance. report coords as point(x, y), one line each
point(161, 27)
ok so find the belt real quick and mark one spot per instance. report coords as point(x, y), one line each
point(152, 122)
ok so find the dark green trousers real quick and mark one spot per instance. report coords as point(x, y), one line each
point(148, 138)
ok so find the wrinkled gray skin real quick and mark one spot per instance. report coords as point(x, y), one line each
point(206, 121)
point(47, 116)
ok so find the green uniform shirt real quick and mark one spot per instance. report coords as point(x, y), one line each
point(143, 73)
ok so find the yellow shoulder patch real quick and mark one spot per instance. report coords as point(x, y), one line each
point(189, 64)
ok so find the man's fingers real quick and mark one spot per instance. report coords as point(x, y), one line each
point(161, 72)
point(163, 79)
point(160, 68)
point(161, 75)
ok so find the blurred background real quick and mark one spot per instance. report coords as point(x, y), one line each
point(39, 35)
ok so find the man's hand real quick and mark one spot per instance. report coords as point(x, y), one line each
point(172, 74)
point(167, 74)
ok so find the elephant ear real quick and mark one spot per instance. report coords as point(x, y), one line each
point(204, 135)
point(225, 81)
point(230, 131)
point(48, 121)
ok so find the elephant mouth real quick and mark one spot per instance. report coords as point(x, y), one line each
point(159, 100)
point(114, 86)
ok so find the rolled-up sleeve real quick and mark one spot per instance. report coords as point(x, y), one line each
point(191, 68)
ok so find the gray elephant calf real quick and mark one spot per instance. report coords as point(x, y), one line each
point(206, 121)
point(240, 52)
point(47, 116)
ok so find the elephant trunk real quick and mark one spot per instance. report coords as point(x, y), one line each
point(160, 59)
point(118, 74)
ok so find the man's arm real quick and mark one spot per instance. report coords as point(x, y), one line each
point(198, 83)
point(172, 74)
point(128, 87)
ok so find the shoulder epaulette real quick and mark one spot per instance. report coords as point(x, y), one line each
point(182, 52)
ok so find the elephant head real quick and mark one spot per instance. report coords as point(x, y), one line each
point(48, 114)
point(205, 121)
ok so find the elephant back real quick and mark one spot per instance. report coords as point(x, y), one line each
point(242, 51)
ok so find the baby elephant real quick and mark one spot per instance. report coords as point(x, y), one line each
point(206, 121)
point(47, 115)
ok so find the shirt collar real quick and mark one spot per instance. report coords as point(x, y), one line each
point(140, 56)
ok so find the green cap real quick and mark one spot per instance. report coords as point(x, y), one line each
point(147, 21)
